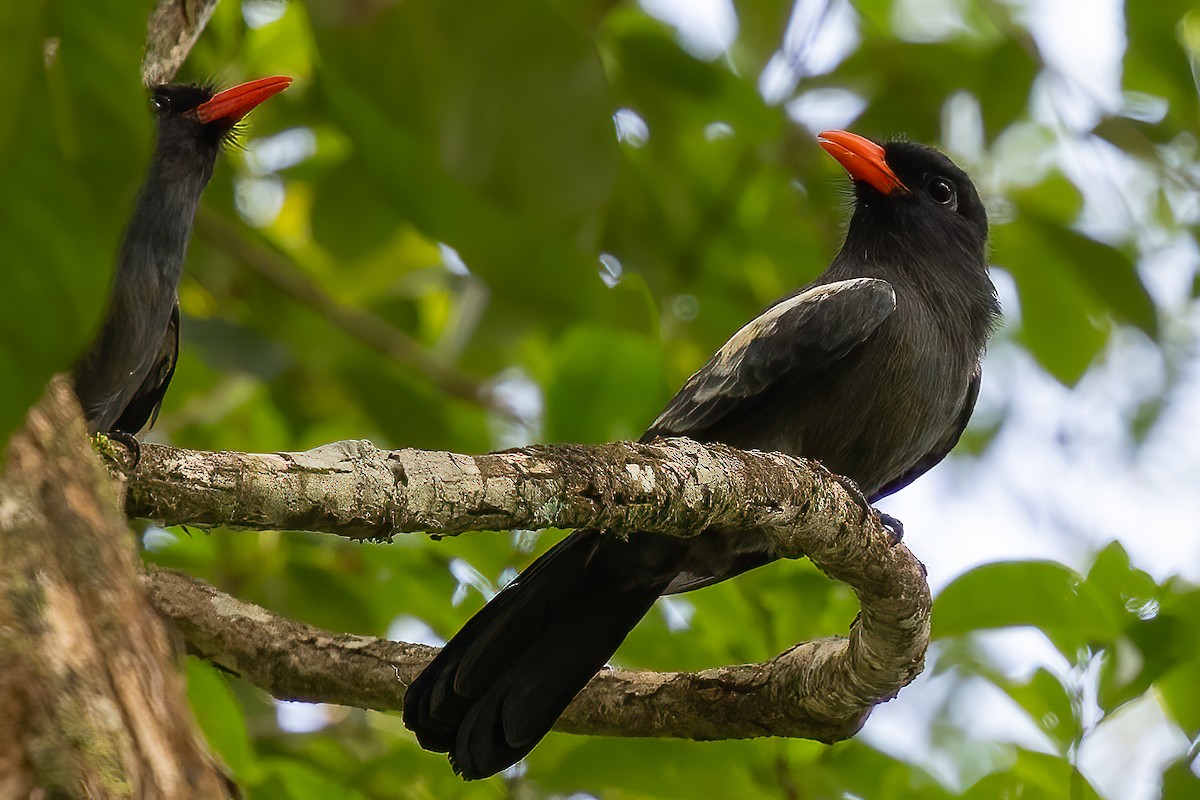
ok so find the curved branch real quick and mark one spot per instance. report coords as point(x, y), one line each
point(810, 691)
point(821, 690)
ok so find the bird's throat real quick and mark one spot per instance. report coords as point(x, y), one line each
point(154, 245)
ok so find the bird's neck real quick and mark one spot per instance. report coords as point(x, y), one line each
point(155, 243)
point(955, 290)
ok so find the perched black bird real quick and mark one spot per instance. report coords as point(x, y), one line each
point(123, 376)
point(873, 369)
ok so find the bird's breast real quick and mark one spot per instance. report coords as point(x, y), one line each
point(876, 412)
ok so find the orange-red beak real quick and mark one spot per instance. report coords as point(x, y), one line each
point(233, 104)
point(863, 159)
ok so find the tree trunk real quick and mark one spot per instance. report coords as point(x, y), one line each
point(91, 702)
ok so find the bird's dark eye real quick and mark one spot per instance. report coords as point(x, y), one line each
point(942, 191)
point(160, 102)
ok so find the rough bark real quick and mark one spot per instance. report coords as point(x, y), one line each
point(821, 690)
point(90, 701)
point(174, 28)
point(352, 488)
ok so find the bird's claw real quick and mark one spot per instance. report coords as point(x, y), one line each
point(893, 526)
point(856, 494)
point(131, 444)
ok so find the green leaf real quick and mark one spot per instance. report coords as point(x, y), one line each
point(1049, 705)
point(490, 152)
point(1180, 696)
point(1156, 61)
point(1034, 776)
point(220, 716)
point(1042, 594)
point(1180, 781)
point(657, 768)
point(1148, 645)
point(319, 595)
point(73, 140)
point(602, 384)
point(1062, 324)
point(351, 216)
point(853, 769)
point(908, 95)
point(294, 780)
point(649, 50)
point(1113, 573)
point(1108, 272)
point(759, 27)
point(1002, 85)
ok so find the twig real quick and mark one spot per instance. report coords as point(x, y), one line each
point(358, 323)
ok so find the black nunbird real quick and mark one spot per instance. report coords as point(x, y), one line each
point(123, 376)
point(873, 369)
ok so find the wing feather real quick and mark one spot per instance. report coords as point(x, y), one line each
point(795, 337)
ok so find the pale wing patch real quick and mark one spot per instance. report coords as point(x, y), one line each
point(764, 324)
point(715, 378)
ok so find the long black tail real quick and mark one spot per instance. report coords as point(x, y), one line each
point(498, 686)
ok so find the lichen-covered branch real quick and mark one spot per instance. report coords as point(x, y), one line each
point(821, 690)
point(808, 691)
point(352, 488)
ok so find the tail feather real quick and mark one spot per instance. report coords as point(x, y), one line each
point(498, 686)
point(440, 696)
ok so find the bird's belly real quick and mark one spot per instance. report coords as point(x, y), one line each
point(871, 424)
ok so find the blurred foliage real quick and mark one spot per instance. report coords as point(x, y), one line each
point(68, 71)
point(455, 169)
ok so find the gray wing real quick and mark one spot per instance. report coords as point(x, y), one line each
point(796, 337)
point(107, 376)
point(128, 352)
point(142, 409)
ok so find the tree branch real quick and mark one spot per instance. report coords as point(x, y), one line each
point(353, 489)
point(822, 690)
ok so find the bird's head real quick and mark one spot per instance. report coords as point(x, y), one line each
point(197, 119)
point(909, 192)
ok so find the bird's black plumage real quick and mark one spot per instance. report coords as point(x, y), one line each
point(121, 379)
point(873, 369)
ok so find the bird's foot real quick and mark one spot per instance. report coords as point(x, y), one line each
point(131, 444)
point(893, 526)
point(856, 494)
